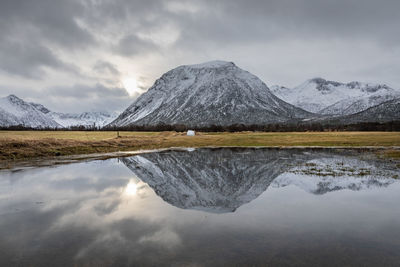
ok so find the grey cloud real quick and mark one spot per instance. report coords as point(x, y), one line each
point(75, 98)
point(27, 59)
point(259, 21)
point(282, 41)
point(104, 67)
point(227, 21)
point(30, 59)
point(132, 45)
point(53, 21)
point(83, 91)
point(79, 98)
point(32, 30)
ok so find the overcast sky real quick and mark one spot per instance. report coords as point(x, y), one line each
point(84, 55)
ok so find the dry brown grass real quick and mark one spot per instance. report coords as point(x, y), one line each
point(33, 144)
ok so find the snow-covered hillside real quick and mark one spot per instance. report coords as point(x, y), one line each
point(333, 98)
point(387, 111)
point(212, 93)
point(15, 111)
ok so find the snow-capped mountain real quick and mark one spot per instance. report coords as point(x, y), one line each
point(15, 111)
point(212, 93)
point(333, 98)
point(385, 112)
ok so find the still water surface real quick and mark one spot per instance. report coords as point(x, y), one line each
point(204, 207)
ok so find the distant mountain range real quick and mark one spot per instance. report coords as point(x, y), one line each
point(385, 112)
point(220, 93)
point(333, 98)
point(16, 112)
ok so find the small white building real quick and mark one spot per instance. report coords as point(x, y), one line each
point(190, 133)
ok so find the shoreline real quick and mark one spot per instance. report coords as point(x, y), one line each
point(28, 146)
point(16, 165)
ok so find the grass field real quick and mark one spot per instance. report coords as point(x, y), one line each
point(33, 144)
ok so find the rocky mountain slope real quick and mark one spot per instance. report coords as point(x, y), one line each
point(385, 112)
point(15, 111)
point(333, 98)
point(212, 93)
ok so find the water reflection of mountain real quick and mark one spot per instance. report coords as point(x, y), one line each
point(221, 180)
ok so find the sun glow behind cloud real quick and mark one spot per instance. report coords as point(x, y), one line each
point(131, 86)
point(131, 188)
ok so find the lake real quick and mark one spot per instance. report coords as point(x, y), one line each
point(205, 207)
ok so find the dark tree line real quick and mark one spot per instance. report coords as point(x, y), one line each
point(71, 128)
point(288, 127)
point(291, 127)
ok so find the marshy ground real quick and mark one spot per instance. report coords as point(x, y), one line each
point(23, 145)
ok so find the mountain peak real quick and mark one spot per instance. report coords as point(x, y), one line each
point(13, 98)
point(211, 93)
point(323, 84)
point(211, 65)
point(317, 80)
point(18, 112)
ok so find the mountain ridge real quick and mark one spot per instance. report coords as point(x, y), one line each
point(334, 98)
point(219, 93)
point(14, 111)
point(210, 93)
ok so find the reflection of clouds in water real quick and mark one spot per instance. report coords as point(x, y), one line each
point(57, 185)
point(110, 212)
point(135, 187)
point(327, 174)
point(130, 188)
point(164, 237)
point(109, 216)
point(103, 217)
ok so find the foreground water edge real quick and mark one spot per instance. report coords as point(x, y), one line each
point(204, 207)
